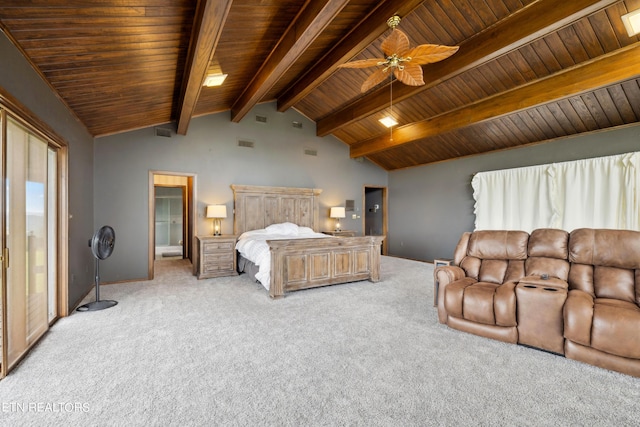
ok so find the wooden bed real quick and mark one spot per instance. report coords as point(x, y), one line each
point(303, 263)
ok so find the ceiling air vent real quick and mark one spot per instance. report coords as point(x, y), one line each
point(246, 143)
point(310, 152)
point(297, 125)
point(261, 119)
point(163, 132)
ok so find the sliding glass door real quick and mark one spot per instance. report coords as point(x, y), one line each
point(30, 235)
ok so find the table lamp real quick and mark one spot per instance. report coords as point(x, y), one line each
point(337, 213)
point(217, 212)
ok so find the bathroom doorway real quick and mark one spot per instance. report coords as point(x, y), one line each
point(170, 221)
point(171, 217)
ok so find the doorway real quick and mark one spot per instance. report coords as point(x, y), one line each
point(171, 217)
point(375, 213)
point(170, 221)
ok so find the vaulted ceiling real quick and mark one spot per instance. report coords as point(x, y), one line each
point(527, 71)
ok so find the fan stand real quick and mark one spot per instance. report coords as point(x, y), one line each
point(101, 246)
point(97, 304)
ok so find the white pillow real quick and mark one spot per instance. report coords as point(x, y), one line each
point(305, 230)
point(283, 228)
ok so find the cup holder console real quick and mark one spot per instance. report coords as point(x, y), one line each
point(539, 312)
point(535, 287)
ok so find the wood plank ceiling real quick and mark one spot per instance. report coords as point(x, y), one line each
point(527, 70)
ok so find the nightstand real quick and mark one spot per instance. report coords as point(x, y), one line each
point(341, 233)
point(216, 256)
point(438, 263)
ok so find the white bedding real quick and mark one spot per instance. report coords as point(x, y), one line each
point(253, 245)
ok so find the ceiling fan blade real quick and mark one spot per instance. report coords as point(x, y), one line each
point(411, 75)
point(397, 43)
point(374, 79)
point(363, 63)
point(428, 53)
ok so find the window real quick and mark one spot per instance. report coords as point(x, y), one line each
point(594, 193)
point(29, 238)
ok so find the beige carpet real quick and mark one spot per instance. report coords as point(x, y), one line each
point(183, 352)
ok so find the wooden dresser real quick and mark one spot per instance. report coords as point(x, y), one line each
point(216, 256)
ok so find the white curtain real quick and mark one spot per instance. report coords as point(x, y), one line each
point(596, 193)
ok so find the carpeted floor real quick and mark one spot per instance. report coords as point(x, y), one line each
point(180, 351)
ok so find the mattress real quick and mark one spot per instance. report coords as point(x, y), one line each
point(253, 245)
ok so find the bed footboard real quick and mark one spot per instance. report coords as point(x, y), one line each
point(308, 263)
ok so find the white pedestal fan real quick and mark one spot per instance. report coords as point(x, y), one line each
point(101, 246)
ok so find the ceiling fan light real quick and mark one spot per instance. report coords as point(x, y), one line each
point(631, 22)
point(214, 80)
point(388, 121)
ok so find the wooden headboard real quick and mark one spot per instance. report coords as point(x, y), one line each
point(257, 207)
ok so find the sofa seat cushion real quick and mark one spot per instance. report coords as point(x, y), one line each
point(477, 304)
point(615, 327)
point(482, 302)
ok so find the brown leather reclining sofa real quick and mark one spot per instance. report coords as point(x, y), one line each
point(575, 294)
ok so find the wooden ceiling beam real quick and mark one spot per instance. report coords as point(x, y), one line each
point(518, 29)
point(305, 28)
point(208, 23)
point(618, 66)
point(361, 36)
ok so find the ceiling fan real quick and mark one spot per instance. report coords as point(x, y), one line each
point(401, 59)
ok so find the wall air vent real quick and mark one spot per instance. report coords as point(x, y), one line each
point(261, 119)
point(297, 125)
point(310, 152)
point(246, 143)
point(163, 132)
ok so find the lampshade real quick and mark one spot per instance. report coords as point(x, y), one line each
point(216, 211)
point(337, 212)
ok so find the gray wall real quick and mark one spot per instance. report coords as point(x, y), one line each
point(209, 150)
point(431, 206)
point(23, 83)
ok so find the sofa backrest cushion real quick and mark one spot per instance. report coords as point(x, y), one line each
point(493, 270)
point(610, 248)
point(549, 243)
point(548, 252)
point(495, 256)
point(498, 244)
point(606, 263)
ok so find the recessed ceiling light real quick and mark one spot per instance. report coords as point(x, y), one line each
point(632, 22)
point(214, 80)
point(388, 121)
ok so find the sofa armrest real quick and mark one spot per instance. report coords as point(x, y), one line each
point(444, 276)
point(447, 274)
point(578, 317)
